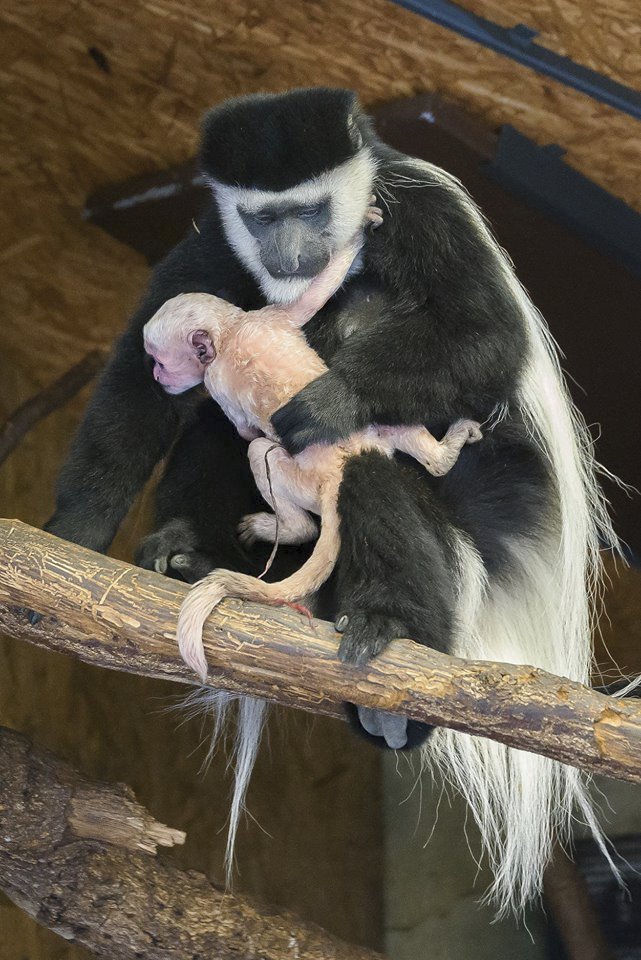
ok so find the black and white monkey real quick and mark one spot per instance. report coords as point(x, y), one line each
point(496, 560)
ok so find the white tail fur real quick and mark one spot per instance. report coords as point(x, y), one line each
point(542, 616)
point(251, 713)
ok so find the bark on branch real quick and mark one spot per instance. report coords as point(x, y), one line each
point(78, 857)
point(117, 616)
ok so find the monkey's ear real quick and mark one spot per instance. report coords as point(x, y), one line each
point(203, 346)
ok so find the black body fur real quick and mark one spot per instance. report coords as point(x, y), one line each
point(427, 333)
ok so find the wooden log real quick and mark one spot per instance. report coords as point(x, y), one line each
point(78, 857)
point(117, 616)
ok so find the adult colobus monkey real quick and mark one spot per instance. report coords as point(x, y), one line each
point(499, 558)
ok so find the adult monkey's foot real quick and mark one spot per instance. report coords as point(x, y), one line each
point(172, 552)
point(364, 635)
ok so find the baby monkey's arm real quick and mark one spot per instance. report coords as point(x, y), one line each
point(325, 285)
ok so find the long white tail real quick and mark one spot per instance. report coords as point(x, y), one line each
point(543, 616)
point(251, 715)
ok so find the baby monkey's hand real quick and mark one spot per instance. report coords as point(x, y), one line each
point(374, 214)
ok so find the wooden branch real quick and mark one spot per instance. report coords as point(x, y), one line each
point(56, 395)
point(117, 616)
point(573, 910)
point(77, 856)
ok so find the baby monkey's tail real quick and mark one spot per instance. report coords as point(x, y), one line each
point(208, 593)
point(199, 603)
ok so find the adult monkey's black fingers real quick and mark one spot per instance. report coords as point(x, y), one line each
point(296, 425)
point(416, 733)
point(176, 536)
point(191, 567)
point(366, 634)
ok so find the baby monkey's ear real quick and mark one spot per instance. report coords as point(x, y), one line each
point(203, 346)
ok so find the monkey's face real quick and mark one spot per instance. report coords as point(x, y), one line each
point(176, 370)
point(179, 338)
point(293, 239)
point(286, 238)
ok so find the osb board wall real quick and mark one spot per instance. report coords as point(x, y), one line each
point(71, 121)
point(604, 36)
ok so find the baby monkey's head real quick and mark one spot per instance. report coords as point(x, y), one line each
point(180, 339)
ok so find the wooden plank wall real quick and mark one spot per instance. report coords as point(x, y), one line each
point(94, 91)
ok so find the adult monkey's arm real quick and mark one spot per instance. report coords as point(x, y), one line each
point(130, 422)
point(449, 340)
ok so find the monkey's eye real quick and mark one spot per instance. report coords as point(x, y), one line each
point(263, 218)
point(159, 364)
point(308, 213)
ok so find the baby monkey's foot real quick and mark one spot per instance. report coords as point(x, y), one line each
point(449, 448)
point(462, 432)
point(292, 528)
point(257, 526)
point(374, 214)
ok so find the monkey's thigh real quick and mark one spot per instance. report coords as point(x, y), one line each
point(289, 491)
point(206, 487)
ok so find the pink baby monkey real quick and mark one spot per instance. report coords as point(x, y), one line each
point(252, 363)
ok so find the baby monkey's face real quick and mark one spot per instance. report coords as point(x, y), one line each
point(179, 339)
point(180, 364)
point(175, 370)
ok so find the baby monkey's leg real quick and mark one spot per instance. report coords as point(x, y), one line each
point(286, 489)
point(437, 456)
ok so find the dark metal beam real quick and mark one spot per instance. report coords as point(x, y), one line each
point(516, 43)
point(539, 175)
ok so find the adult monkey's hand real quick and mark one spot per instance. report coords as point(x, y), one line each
point(325, 411)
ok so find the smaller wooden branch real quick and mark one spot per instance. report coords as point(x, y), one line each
point(42, 404)
point(568, 900)
point(114, 615)
point(65, 861)
point(112, 814)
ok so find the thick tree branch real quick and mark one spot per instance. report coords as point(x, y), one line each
point(78, 857)
point(114, 615)
point(55, 395)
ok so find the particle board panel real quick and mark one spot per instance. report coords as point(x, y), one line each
point(604, 35)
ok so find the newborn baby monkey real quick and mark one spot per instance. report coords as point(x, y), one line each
point(252, 363)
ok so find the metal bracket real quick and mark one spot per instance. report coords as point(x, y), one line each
point(516, 43)
point(540, 175)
